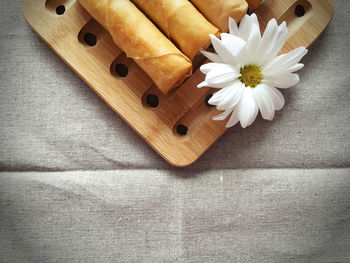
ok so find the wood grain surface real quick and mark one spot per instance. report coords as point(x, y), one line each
point(159, 119)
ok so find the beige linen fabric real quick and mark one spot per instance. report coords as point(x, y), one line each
point(91, 190)
point(271, 216)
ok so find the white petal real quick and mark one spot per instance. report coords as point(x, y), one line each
point(264, 101)
point(224, 54)
point(240, 57)
point(247, 109)
point(270, 31)
point(222, 85)
point(222, 115)
point(245, 27)
point(240, 87)
point(233, 119)
point(254, 19)
point(273, 40)
point(202, 84)
point(219, 96)
point(284, 63)
point(222, 75)
point(296, 67)
point(222, 94)
point(216, 85)
point(268, 37)
point(213, 69)
point(276, 96)
point(282, 81)
point(233, 26)
point(253, 46)
point(232, 98)
point(212, 56)
point(282, 34)
point(232, 43)
point(206, 68)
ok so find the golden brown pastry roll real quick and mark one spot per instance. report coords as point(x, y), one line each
point(142, 41)
point(218, 11)
point(254, 3)
point(181, 22)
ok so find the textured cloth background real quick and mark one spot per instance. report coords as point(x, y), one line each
point(50, 120)
point(263, 216)
point(78, 185)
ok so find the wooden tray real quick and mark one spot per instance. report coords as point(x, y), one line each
point(178, 126)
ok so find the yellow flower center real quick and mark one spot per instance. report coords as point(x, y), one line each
point(251, 76)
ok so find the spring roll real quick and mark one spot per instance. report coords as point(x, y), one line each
point(218, 11)
point(181, 22)
point(254, 3)
point(142, 41)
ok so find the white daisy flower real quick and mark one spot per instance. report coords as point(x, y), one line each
point(247, 70)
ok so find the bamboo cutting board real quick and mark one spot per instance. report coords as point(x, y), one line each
point(179, 125)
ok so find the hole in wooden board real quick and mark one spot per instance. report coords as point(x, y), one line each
point(299, 11)
point(206, 101)
point(181, 129)
point(58, 7)
point(91, 33)
point(90, 39)
point(134, 78)
point(122, 66)
point(296, 16)
point(153, 91)
point(152, 100)
point(196, 116)
point(153, 97)
point(121, 70)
